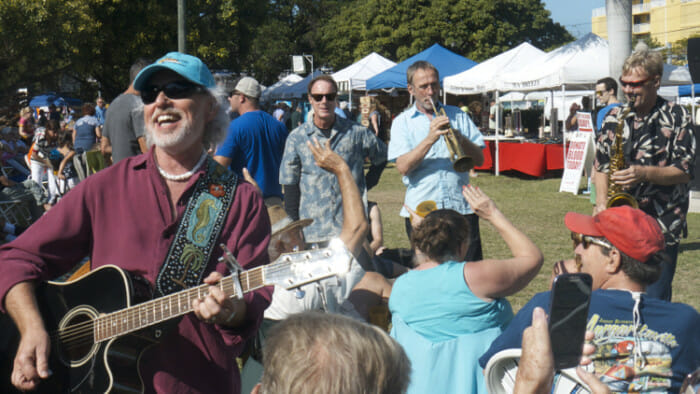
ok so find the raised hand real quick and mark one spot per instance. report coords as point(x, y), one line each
point(325, 157)
point(536, 367)
point(480, 203)
point(416, 219)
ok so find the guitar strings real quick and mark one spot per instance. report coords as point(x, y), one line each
point(76, 335)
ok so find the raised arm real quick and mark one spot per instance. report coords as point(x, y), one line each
point(355, 225)
point(493, 278)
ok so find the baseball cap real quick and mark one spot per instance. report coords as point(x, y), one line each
point(249, 87)
point(630, 230)
point(187, 66)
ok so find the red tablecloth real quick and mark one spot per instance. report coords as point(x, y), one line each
point(526, 157)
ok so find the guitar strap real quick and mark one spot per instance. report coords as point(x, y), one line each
point(198, 231)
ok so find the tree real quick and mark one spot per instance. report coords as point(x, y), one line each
point(291, 27)
point(477, 29)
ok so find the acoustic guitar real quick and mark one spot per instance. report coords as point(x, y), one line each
point(98, 335)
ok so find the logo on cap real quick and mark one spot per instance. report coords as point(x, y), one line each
point(169, 59)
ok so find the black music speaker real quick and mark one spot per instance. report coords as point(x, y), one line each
point(694, 59)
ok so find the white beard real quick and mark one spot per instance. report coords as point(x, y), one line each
point(171, 140)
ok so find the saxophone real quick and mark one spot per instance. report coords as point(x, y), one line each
point(617, 197)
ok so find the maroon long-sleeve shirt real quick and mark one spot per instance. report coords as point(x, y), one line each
point(122, 216)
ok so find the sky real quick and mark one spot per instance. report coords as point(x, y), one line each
point(574, 15)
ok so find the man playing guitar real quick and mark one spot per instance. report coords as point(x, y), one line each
point(157, 216)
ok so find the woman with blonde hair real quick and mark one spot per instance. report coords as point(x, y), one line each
point(26, 125)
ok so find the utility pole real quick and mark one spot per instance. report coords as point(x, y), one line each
point(181, 33)
point(619, 20)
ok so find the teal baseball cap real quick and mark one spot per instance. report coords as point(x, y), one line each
point(187, 66)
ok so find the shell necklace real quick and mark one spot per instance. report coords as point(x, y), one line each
point(183, 176)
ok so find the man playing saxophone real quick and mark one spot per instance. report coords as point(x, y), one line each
point(422, 156)
point(659, 151)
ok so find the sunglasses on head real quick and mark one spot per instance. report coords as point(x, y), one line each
point(174, 90)
point(328, 96)
point(633, 84)
point(587, 240)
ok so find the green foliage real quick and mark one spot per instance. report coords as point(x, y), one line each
point(95, 41)
point(398, 29)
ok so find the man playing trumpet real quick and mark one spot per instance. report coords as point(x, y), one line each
point(659, 155)
point(422, 156)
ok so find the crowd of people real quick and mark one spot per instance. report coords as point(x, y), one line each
point(186, 178)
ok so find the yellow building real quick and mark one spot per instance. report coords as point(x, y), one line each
point(665, 21)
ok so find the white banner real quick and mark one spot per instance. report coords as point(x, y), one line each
point(578, 156)
point(298, 65)
point(585, 123)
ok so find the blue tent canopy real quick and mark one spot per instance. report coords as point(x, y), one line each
point(47, 99)
point(447, 62)
point(684, 90)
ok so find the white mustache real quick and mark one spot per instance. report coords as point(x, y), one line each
point(168, 111)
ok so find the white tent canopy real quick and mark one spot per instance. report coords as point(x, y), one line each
point(354, 76)
point(675, 75)
point(578, 64)
point(274, 91)
point(298, 89)
point(482, 77)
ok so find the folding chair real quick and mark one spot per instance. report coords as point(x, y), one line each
point(16, 212)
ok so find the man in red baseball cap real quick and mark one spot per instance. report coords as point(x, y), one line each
point(642, 343)
point(628, 244)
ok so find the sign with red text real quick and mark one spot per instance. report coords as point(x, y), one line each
point(579, 155)
point(585, 121)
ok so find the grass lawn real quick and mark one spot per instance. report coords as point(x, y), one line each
point(536, 207)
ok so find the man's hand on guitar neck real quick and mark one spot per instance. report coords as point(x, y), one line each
point(31, 361)
point(217, 307)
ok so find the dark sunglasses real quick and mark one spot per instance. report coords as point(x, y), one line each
point(587, 240)
point(174, 90)
point(634, 84)
point(328, 96)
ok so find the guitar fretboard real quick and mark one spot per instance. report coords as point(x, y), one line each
point(164, 308)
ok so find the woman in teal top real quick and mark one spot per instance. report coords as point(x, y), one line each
point(446, 312)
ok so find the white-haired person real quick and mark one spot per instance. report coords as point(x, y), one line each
point(159, 216)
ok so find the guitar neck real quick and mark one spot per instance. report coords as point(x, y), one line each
point(168, 307)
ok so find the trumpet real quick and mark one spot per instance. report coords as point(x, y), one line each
point(460, 161)
point(616, 196)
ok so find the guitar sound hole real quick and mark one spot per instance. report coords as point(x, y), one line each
point(75, 339)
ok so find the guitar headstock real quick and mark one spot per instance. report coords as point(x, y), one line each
point(292, 270)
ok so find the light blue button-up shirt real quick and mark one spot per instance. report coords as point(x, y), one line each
point(434, 178)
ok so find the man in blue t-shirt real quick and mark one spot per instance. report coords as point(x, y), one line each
point(606, 97)
point(255, 141)
point(642, 343)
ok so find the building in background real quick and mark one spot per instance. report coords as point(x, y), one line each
point(665, 21)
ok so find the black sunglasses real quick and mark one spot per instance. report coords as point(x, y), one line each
point(587, 240)
point(328, 96)
point(174, 90)
point(634, 84)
